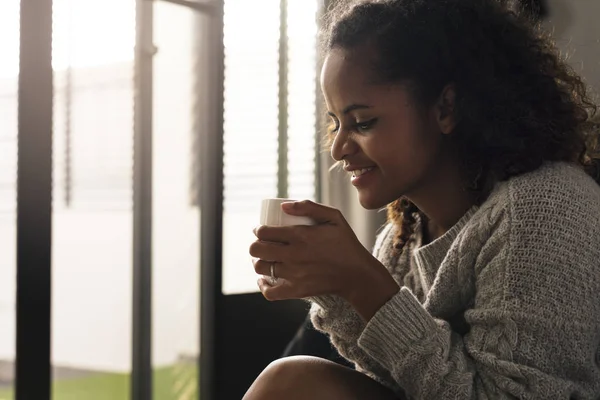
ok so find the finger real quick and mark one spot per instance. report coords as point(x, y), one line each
point(280, 234)
point(280, 270)
point(262, 267)
point(268, 250)
point(279, 291)
point(263, 284)
point(306, 208)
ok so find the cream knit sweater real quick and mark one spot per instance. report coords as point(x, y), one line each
point(504, 305)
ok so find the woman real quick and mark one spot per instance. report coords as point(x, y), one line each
point(459, 116)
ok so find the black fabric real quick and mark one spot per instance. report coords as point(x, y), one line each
point(310, 342)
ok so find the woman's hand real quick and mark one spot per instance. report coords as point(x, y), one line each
point(326, 258)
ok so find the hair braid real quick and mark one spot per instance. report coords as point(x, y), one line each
point(404, 215)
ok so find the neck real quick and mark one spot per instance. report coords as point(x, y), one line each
point(443, 200)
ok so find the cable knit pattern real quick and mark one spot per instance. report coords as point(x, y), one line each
point(333, 314)
point(510, 305)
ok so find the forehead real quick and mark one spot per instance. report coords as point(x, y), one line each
point(345, 71)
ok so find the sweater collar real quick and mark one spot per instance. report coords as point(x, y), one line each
point(429, 257)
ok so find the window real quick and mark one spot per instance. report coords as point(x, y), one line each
point(9, 48)
point(92, 174)
point(175, 221)
point(92, 197)
point(93, 104)
point(251, 120)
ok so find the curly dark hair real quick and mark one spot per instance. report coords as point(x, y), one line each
point(518, 104)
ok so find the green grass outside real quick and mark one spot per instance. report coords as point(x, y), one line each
point(170, 383)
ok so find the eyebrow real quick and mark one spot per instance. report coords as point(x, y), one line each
point(350, 108)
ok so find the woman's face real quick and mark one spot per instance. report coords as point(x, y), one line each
point(388, 145)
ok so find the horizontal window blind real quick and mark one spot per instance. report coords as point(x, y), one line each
point(93, 104)
point(252, 164)
point(9, 69)
point(302, 35)
point(8, 148)
point(251, 117)
point(251, 39)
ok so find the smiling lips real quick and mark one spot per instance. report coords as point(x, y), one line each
point(358, 172)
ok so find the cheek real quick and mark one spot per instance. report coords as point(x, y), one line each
point(410, 149)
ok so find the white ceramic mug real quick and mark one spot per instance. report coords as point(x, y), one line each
point(271, 214)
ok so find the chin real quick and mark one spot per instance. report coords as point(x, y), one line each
point(369, 202)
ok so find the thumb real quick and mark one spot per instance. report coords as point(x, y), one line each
point(306, 208)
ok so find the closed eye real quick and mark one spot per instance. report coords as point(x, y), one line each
point(364, 126)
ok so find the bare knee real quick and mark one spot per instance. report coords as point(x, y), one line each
point(281, 376)
point(303, 377)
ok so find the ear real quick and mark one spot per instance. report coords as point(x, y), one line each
point(446, 109)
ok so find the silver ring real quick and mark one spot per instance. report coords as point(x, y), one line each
point(273, 277)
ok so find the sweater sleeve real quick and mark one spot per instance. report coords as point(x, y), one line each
point(534, 323)
point(335, 317)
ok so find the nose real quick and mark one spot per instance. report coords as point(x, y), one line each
point(343, 145)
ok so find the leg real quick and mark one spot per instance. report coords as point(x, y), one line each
point(312, 378)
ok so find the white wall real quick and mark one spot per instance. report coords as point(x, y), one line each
point(576, 27)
